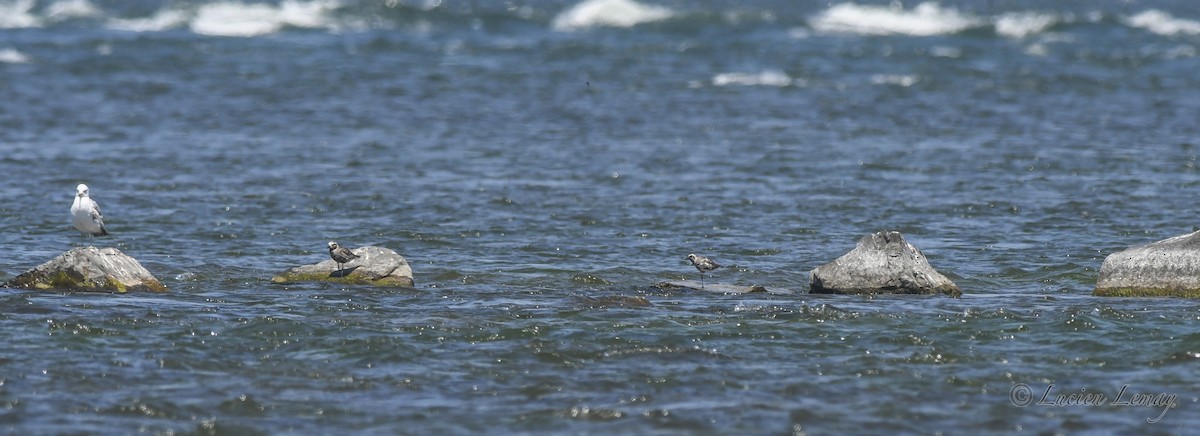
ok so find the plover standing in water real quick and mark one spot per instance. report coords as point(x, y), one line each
point(702, 264)
point(340, 254)
point(85, 213)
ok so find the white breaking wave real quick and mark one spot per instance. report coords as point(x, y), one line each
point(1162, 23)
point(163, 20)
point(1023, 24)
point(765, 78)
point(902, 80)
point(614, 13)
point(927, 19)
point(924, 20)
point(227, 18)
point(11, 56)
point(15, 15)
point(240, 19)
point(68, 9)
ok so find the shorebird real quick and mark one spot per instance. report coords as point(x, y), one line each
point(340, 254)
point(85, 213)
point(702, 264)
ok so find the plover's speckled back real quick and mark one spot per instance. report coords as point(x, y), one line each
point(85, 213)
point(340, 254)
point(702, 264)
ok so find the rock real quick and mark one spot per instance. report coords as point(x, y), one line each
point(376, 266)
point(1167, 268)
point(609, 301)
point(89, 269)
point(881, 263)
point(719, 288)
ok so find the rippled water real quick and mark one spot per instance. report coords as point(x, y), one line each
point(542, 164)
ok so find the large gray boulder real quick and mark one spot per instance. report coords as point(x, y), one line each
point(375, 266)
point(881, 263)
point(1167, 268)
point(89, 269)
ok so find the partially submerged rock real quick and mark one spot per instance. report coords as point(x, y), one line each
point(89, 269)
point(1167, 268)
point(881, 263)
point(610, 301)
point(719, 288)
point(376, 266)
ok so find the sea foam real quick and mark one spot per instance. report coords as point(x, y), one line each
point(614, 13)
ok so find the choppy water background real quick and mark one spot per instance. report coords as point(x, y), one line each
point(541, 164)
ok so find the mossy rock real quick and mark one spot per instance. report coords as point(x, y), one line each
point(89, 269)
point(1166, 268)
point(1147, 292)
point(375, 266)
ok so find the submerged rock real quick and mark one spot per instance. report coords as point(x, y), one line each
point(719, 288)
point(1167, 268)
point(881, 263)
point(376, 266)
point(609, 301)
point(89, 269)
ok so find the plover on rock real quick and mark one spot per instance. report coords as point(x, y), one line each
point(85, 213)
point(702, 264)
point(340, 254)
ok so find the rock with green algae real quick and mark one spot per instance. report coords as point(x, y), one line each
point(881, 263)
point(89, 269)
point(1166, 268)
point(376, 266)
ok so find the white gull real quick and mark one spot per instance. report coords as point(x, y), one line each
point(85, 213)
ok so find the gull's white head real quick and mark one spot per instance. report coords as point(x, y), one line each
point(81, 190)
point(332, 245)
point(692, 258)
